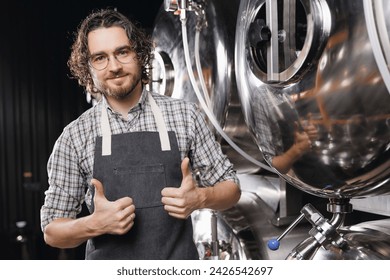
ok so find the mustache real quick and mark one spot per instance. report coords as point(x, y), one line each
point(115, 75)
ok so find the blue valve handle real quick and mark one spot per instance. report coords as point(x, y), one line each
point(273, 244)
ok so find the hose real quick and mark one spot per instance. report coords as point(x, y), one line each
point(209, 114)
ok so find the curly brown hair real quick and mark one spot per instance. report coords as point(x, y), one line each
point(140, 42)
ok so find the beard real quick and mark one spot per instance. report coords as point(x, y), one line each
point(118, 92)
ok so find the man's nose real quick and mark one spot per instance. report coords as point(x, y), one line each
point(113, 63)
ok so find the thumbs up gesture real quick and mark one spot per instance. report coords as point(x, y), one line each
point(113, 217)
point(181, 202)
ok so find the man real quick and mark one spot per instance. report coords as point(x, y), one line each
point(130, 156)
point(286, 141)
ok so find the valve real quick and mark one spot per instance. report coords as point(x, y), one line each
point(274, 244)
point(324, 232)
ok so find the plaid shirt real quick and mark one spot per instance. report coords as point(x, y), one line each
point(70, 165)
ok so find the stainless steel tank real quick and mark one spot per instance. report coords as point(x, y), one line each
point(215, 23)
point(365, 241)
point(314, 84)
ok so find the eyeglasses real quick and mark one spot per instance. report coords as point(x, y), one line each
point(100, 61)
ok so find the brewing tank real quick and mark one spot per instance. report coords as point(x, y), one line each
point(210, 28)
point(314, 83)
point(313, 78)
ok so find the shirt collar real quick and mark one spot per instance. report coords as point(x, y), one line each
point(142, 100)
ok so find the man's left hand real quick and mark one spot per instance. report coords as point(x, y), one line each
point(181, 202)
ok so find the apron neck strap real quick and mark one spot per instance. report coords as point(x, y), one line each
point(162, 129)
point(106, 131)
point(158, 117)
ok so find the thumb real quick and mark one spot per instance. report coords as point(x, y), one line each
point(99, 190)
point(185, 168)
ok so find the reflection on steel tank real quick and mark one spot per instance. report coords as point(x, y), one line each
point(314, 84)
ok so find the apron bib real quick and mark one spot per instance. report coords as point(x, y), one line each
point(140, 165)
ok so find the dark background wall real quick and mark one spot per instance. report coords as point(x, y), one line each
point(37, 99)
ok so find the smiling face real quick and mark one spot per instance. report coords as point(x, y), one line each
point(118, 80)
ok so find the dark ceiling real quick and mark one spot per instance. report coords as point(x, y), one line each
point(70, 12)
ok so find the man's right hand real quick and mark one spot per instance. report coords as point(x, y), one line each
point(113, 217)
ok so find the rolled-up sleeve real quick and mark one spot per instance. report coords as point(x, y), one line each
point(206, 153)
point(65, 194)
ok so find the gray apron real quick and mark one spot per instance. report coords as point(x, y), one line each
point(140, 165)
